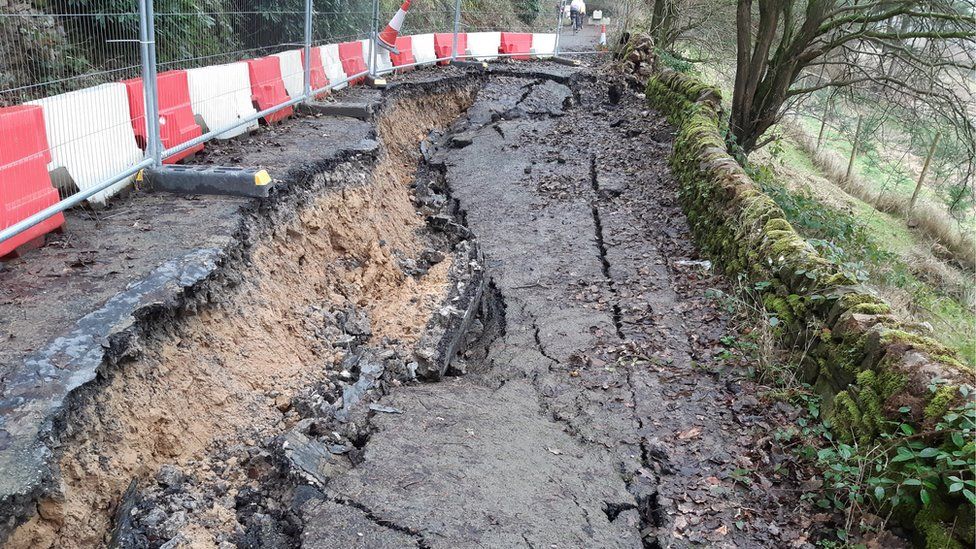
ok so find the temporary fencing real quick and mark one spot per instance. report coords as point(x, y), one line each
point(105, 88)
point(491, 35)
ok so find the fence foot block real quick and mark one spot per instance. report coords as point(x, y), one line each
point(470, 64)
point(217, 180)
point(566, 61)
point(377, 82)
point(362, 111)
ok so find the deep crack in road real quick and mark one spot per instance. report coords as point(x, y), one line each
point(581, 419)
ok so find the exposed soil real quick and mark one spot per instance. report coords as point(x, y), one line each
point(346, 267)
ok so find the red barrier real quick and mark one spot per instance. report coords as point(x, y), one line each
point(267, 88)
point(516, 43)
point(353, 62)
point(405, 57)
point(176, 122)
point(317, 70)
point(25, 186)
point(444, 41)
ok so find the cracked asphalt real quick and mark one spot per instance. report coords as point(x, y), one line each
point(589, 412)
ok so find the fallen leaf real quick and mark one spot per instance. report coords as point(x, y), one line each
point(694, 432)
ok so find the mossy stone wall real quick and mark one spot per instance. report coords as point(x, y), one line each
point(867, 364)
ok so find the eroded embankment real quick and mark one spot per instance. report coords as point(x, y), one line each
point(350, 261)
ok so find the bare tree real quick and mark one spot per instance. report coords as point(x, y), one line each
point(916, 48)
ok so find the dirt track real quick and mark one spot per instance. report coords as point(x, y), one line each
point(586, 406)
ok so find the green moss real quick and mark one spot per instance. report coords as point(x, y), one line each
point(778, 224)
point(780, 307)
point(941, 401)
point(928, 345)
point(849, 301)
point(930, 523)
point(871, 309)
point(859, 410)
point(842, 355)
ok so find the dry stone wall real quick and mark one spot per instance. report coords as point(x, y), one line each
point(872, 369)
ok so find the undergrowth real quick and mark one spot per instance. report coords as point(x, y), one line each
point(866, 485)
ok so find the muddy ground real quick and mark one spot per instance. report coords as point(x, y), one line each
point(492, 330)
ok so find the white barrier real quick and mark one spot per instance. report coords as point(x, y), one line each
point(383, 62)
point(90, 135)
point(292, 72)
point(483, 46)
point(423, 48)
point(543, 45)
point(221, 95)
point(333, 66)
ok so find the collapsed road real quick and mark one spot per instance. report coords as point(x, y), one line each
point(488, 328)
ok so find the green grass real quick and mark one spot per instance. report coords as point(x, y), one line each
point(872, 245)
point(869, 166)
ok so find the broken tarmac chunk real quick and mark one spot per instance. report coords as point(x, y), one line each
point(310, 459)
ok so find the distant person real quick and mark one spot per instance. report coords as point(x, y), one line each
point(577, 9)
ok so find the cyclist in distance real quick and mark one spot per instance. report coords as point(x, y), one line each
point(577, 9)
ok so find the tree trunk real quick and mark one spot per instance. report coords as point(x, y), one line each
point(823, 123)
point(921, 179)
point(662, 23)
point(857, 137)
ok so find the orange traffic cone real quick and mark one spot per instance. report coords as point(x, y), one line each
point(603, 36)
point(387, 38)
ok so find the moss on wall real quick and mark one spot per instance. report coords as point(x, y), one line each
point(868, 365)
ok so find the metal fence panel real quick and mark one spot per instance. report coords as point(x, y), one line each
point(153, 80)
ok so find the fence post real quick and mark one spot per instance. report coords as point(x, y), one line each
point(147, 54)
point(308, 50)
point(457, 28)
point(372, 40)
point(559, 26)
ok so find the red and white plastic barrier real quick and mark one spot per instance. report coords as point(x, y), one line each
point(96, 133)
point(221, 96)
point(518, 45)
point(292, 72)
point(353, 61)
point(423, 48)
point(543, 45)
point(316, 70)
point(25, 185)
point(176, 122)
point(267, 87)
point(90, 136)
point(483, 46)
point(380, 56)
point(333, 66)
point(404, 45)
point(444, 42)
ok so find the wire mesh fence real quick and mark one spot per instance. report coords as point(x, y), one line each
point(65, 67)
point(92, 91)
